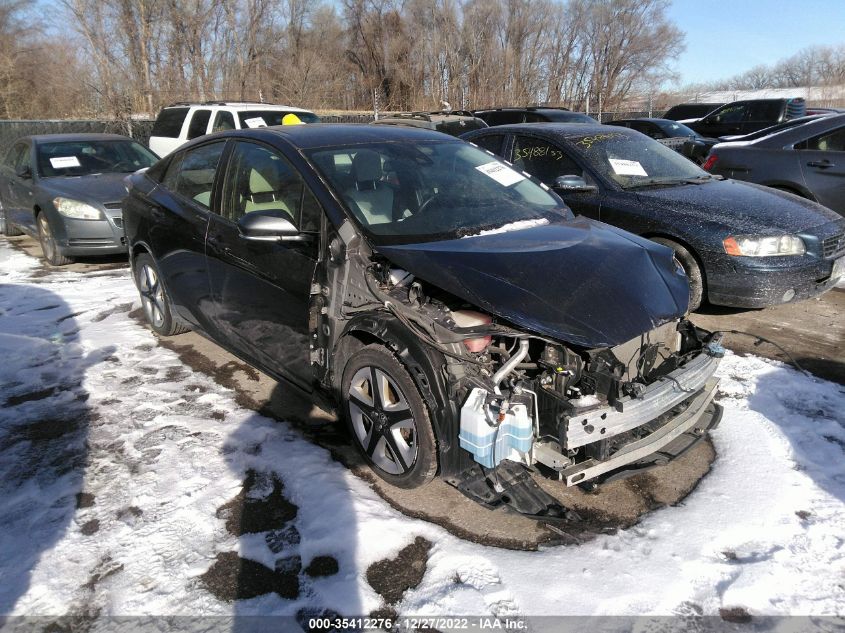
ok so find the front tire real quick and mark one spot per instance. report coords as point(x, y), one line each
point(49, 247)
point(691, 268)
point(388, 420)
point(154, 298)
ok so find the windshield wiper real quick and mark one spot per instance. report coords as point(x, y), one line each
point(654, 182)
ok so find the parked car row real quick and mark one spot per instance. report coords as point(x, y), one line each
point(441, 294)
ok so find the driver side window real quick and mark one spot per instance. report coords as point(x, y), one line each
point(543, 160)
point(729, 114)
point(260, 179)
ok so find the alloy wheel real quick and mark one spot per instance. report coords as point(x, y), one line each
point(48, 244)
point(152, 295)
point(383, 421)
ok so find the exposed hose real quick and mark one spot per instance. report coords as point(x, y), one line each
point(511, 363)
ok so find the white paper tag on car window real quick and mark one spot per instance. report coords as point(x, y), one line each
point(502, 174)
point(63, 162)
point(626, 167)
point(255, 122)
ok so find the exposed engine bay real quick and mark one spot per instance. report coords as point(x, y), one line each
point(526, 401)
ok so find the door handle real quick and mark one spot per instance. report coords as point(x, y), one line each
point(821, 164)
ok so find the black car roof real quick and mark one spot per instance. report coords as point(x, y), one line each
point(87, 136)
point(314, 135)
point(803, 131)
point(562, 131)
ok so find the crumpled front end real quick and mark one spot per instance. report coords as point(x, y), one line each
point(600, 414)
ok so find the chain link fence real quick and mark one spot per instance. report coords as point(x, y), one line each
point(10, 131)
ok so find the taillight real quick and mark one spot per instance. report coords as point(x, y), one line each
point(711, 160)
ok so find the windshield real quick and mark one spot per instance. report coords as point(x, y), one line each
point(420, 191)
point(266, 118)
point(672, 129)
point(634, 160)
point(83, 158)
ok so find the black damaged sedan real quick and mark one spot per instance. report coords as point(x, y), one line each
point(741, 244)
point(453, 310)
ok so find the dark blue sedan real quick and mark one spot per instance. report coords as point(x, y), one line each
point(741, 244)
point(65, 190)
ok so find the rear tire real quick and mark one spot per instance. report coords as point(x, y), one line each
point(49, 247)
point(154, 298)
point(387, 418)
point(5, 227)
point(691, 268)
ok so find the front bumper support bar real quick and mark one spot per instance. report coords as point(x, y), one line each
point(691, 419)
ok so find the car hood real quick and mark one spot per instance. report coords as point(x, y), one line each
point(578, 281)
point(742, 207)
point(96, 188)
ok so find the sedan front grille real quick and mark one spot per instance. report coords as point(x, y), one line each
point(113, 205)
point(833, 245)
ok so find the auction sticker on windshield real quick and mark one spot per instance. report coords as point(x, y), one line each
point(502, 174)
point(61, 162)
point(626, 167)
point(255, 122)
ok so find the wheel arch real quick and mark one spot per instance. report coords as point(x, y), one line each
point(681, 242)
point(424, 364)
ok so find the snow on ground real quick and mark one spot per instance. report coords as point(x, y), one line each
point(115, 459)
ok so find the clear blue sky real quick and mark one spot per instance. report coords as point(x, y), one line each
point(727, 37)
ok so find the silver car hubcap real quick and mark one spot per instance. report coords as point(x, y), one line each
point(382, 421)
point(152, 295)
point(46, 237)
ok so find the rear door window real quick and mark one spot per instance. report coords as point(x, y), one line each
point(763, 111)
point(829, 142)
point(199, 123)
point(191, 174)
point(543, 160)
point(169, 122)
point(223, 120)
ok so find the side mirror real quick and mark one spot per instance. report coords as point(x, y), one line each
point(573, 184)
point(24, 172)
point(270, 226)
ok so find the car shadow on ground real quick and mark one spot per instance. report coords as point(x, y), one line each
point(294, 520)
point(44, 429)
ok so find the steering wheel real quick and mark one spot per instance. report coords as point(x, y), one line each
point(425, 205)
point(123, 165)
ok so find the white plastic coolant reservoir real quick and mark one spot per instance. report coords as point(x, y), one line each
point(479, 435)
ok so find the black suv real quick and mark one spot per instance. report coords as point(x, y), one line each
point(454, 311)
point(507, 116)
point(744, 117)
point(453, 123)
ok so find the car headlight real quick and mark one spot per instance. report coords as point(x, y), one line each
point(76, 209)
point(768, 246)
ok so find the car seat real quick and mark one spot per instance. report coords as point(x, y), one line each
point(264, 190)
point(373, 197)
